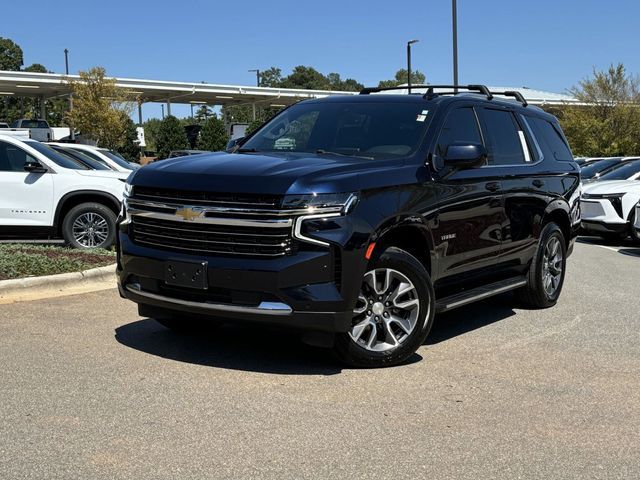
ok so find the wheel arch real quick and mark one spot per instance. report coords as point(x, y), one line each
point(408, 234)
point(70, 200)
point(560, 216)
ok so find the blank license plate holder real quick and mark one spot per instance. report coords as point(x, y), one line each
point(186, 274)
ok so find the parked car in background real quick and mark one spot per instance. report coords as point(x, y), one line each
point(103, 155)
point(185, 153)
point(44, 193)
point(596, 167)
point(38, 129)
point(77, 155)
point(356, 218)
point(608, 209)
point(626, 170)
point(636, 226)
point(4, 125)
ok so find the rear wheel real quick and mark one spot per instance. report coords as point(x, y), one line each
point(89, 225)
point(393, 314)
point(546, 274)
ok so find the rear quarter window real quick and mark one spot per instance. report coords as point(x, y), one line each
point(550, 139)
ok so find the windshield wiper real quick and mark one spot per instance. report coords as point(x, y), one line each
point(320, 151)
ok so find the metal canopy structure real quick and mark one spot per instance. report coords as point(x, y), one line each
point(51, 85)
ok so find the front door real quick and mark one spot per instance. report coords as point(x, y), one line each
point(26, 199)
point(471, 213)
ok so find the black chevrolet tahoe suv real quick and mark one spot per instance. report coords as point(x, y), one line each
point(357, 218)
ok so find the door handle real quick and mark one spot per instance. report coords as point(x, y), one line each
point(538, 183)
point(492, 186)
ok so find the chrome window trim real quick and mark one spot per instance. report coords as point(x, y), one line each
point(533, 137)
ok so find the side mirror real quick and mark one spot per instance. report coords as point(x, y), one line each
point(33, 166)
point(235, 142)
point(464, 155)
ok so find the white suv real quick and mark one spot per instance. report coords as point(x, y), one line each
point(608, 209)
point(105, 156)
point(44, 193)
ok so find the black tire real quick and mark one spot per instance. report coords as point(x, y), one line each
point(103, 216)
point(534, 295)
point(633, 233)
point(352, 353)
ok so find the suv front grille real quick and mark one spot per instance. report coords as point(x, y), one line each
point(203, 224)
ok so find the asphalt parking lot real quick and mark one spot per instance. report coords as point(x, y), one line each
point(91, 390)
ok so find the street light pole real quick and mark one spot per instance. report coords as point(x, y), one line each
point(72, 134)
point(454, 18)
point(409, 43)
point(162, 106)
point(257, 76)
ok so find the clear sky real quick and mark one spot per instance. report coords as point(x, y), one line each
point(542, 44)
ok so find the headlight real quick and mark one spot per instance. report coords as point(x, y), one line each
point(128, 190)
point(318, 207)
point(324, 202)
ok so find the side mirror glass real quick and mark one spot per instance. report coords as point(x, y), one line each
point(235, 142)
point(465, 155)
point(33, 166)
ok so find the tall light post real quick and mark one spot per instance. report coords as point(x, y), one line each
point(409, 43)
point(257, 72)
point(454, 28)
point(72, 134)
point(162, 106)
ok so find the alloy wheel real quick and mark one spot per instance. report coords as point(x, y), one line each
point(386, 312)
point(552, 266)
point(90, 229)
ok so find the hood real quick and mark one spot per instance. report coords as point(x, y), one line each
point(103, 174)
point(611, 187)
point(273, 173)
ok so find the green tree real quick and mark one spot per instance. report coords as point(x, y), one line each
point(36, 67)
point(213, 136)
point(128, 146)
point(151, 128)
point(11, 57)
point(607, 120)
point(253, 126)
point(271, 77)
point(202, 114)
point(99, 107)
point(417, 78)
point(170, 136)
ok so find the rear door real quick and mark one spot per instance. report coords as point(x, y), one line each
point(26, 199)
point(471, 214)
point(526, 184)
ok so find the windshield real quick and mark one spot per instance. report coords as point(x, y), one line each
point(372, 130)
point(118, 159)
point(600, 165)
point(84, 159)
point(58, 158)
point(623, 171)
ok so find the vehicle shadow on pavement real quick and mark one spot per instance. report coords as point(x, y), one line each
point(472, 317)
point(624, 247)
point(236, 347)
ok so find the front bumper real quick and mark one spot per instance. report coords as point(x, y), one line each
point(306, 290)
point(598, 227)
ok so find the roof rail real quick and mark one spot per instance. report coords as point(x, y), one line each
point(482, 89)
point(517, 95)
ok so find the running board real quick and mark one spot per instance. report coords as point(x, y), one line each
point(464, 298)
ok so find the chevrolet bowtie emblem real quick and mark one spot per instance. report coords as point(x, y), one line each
point(189, 214)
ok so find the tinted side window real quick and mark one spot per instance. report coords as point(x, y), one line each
point(549, 138)
point(12, 158)
point(461, 125)
point(503, 135)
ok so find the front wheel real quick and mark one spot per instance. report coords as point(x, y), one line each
point(546, 273)
point(393, 314)
point(89, 225)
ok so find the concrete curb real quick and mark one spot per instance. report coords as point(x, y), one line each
point(60, 282)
